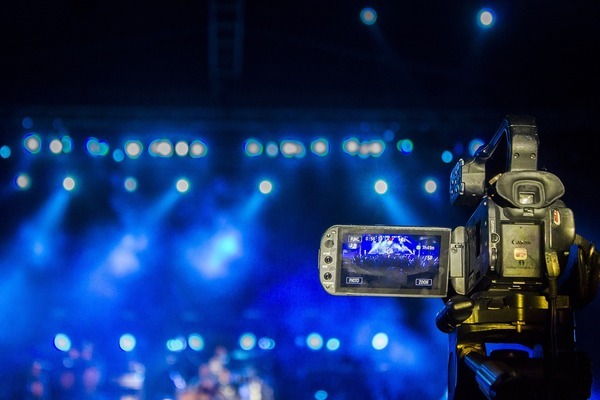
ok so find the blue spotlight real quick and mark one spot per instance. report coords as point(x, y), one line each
point(333, 344)
point(265, 187)
point(55, 146)
point(314, 341)
point(380, 341)
point(5, 151)
point(62, 342)
point(474, 145)
point(266, 343)
point(67, 144)
point(247, 341)
point(27, 123)
point(118, 155)
point(198, 149)
point(182, 148)
point(381, 186)
point(321, 395)
point(23, 181)
point(447, 156)
point(292, 148)
point(430, 186)
point(405, 146)
point(486, 18)
point(127, 342)
point(161, 148)
point(97, 147)
point(253, 148)
point(33, 143)
point(177, 344)
point(196, 342)
point(133, 148)
point(182, 185)
point(368, 16)
point(69, 183)
point(320, 147)
point(272, 149)
point(130, 184)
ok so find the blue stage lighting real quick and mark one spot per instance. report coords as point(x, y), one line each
point(406, 146)
point(272, 149)
point(196, 342)
point(67, 144)
point(333, 344)
point(247, 341)
point(130, 184)
point(266, 343)
point(133, 148)
point(5, 151)
point(181, 148)
point(253, 148)
point(447, 156)
point(321, 395)
point(23, 181)
point(27, 123)
point(430, 186)
point(161, 148)
point(62, 342)
point(265, 187)
point(314, 341)
point(486, 18)
point(182, 185)
point(127, 342)
point(56, 146)
point(380, 341)
point(118, 155)
point(69, 183)
point(381, 186)
point(292, 148)
point(33, 143)
point(320, 147)
point(198, 149)
point(474, 145)
point(368, 16)
point(97, 147)
point(177, 344)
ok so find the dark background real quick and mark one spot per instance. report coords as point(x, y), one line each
point(113, 69)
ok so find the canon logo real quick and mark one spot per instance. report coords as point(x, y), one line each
point(521, 242)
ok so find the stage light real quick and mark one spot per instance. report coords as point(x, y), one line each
point(130, 184)
point(430, 186)
point(381, 186)
point(266, 343)
point(23, 181)
point(333, 344)
point(368, 16)
point(486, 18)
point(182, 185)
point(314, 341)
point(27, 123)
point(447, 156)
point(265, 187)
point(127, 342)
point(380, 341)
point(320, 147)
point(374, 148)
point(247, 341)
point(181, 148)
point(406, 146)
point(67, 144)
point(55, 146)
point(69, 183)
point(253, 148)
point(177, 344)
point(133, 149)
point(351, 146)
point(272, 149)
point(474, 145)
point(33, 143)
point(161, 148)
point(97, 147)
point(321, 395)
point(118, 155)
point(198, 149)
point(5, 151)
point(196, 342)
point(62, 342)
point(292, 148)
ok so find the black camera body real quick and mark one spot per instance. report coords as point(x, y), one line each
point(509, 317)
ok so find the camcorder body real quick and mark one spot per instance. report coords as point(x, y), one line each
point(510, 278)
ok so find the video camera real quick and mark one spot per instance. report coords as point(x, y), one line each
point(510, 278)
